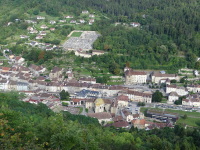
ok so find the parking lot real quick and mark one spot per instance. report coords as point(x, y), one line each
point(84, 42)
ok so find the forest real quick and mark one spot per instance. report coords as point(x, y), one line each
point(29, 126)
point(168, 37)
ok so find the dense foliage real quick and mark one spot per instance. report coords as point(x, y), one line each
point(167, 39)
point(28, 126)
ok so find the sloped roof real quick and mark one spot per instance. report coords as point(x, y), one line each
point(101, 115)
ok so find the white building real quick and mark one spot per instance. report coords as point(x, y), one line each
point(101, 116)
point(135, 24)
point(156, 77)
point(193, 88)
point(135, 77)
point(192, 100)
point(179, 90)
point(173, 96)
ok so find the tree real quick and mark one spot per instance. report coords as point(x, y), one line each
point(64, 95)
point(182, 80)
point(141, 104)
point(184, 116)
point(197, 65)
point(173, 81)
point(157, 96)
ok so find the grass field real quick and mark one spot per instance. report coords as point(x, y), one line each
point(193, 118)
point(76, 34)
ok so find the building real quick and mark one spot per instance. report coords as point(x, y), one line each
point(97, 52)
point(156, 77)
point(135, 24)
point(55, 72)
point(192, 100)
point(193, 88)
point(136, 96)
point(135, 77)
point(182, 91)
point(122, 101)
point(127, 115)
point(103, 117)
point(139, 123)
point(173, 96)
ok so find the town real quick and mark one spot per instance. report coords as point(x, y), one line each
point(135, 102)
point(112, 105)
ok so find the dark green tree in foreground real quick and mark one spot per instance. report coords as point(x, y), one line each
point(157, 96)
point(64, 95)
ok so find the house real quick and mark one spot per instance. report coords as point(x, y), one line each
point(192, 100)
point(182, 91)
point(1, 63)
point(18, 60)
point(33, 32)
point(120, 124)
point(5, 69)
point(122, 101)
point(137, 96)
point(53, 87)
point(43, 26)
point(135, 24)
point(22, 86)
point(82, 21)
point(55, 72)
point(89, 104)
point(90, 23)
point(91, 20)
point(77, 102)
point(40, 18)
point(91, 15)
point(36, 70)
point(85, 12)
point(173, 96)
point(39, 37)
point(87, 80)
point(52, 22)
point(103, 117)
point(82, 54)
point(135, 77)
point(73, 21)
point(52, 29)
point(67, 17)
point(156, 77)
point(4, 84)
point(127, 115)
point(43, 33)
point(138, 123)
point(31, 21)
point(24, 36)
point(30, 28)
point(97, 52)
point(193, 88)
point(12, 85)
point(62, 21)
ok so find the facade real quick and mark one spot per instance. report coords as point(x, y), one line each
point(182, 91)
point(135, 77)
point(193, 88)
point(103, 117)
point(156, 77)
point(136, 96)
point(173, 96)
point(192, 100)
